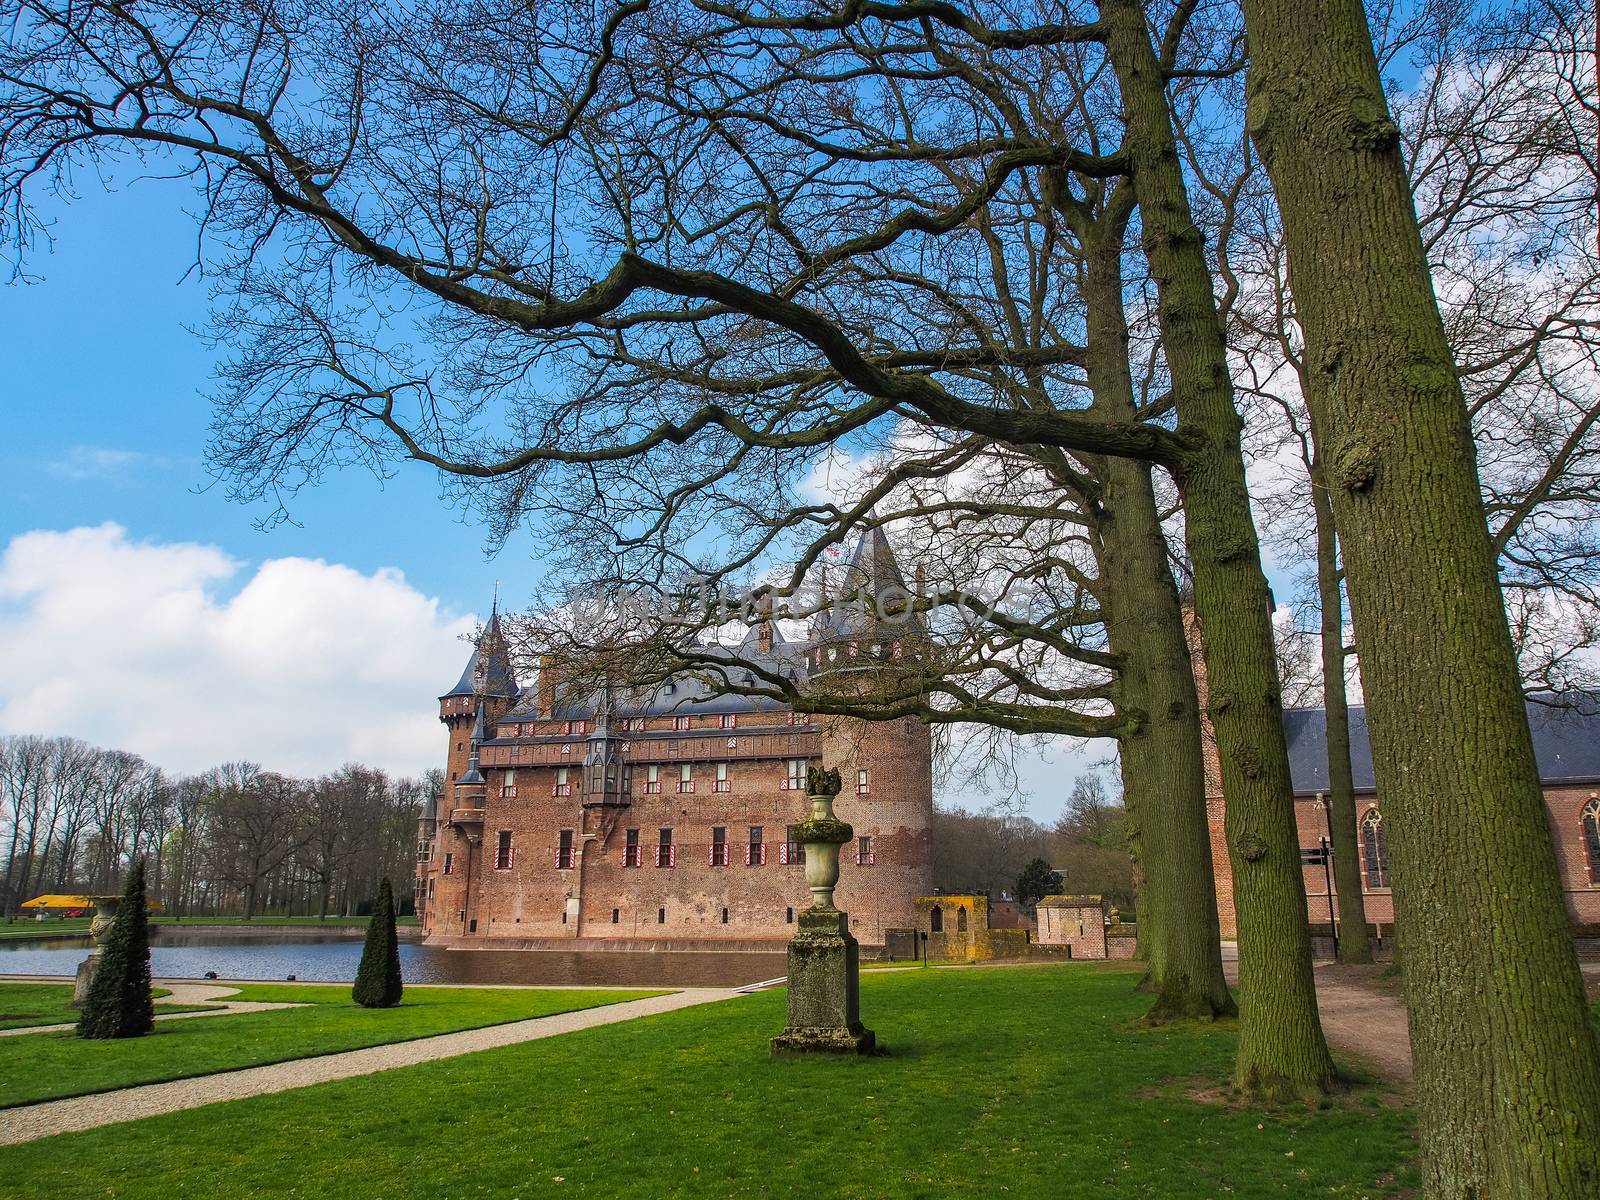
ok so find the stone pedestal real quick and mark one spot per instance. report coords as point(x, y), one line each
point(824, 990)
point(80, 986)
point(105, 912)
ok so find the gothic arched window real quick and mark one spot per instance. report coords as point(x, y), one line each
point(1374, 850)
point(1591, 837)
point(961, 919)
point(936, 919)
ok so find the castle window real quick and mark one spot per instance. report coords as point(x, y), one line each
point(666, 852)
point(504, 855)
point(936, 919)
point(728, 720)
point(449, 863)
point(661, 916)
point(563, 784)
point(863, 782)
point(630, 850)
point(430, 888)
point(794, 851)
point(719, 847)
point(1591, 837)
point(795, 780)
point(788, 916)
point(680, 723)
point(627, 777)
point(961, 919)
point(652, 779)
point(724, 916)
point(755, 851)
point(722, 784)
point(686, 777)
point(864, 852)
point(616, 915)
point(1374, 850)
point(565, 853)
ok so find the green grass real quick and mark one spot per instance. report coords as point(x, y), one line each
point(26, 1004)
point(1014, 1082)
point(49, 1066)
point(75, 926)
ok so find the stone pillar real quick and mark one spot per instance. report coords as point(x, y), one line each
point(824, 960)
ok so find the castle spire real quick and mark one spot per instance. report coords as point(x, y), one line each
point(489, 671)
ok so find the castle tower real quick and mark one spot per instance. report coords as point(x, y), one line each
point(860, 646)
point(453, 838)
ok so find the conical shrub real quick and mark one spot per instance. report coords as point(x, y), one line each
point(378, 983)
point(118, 1004)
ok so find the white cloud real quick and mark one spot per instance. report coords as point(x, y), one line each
point(102, 462)
point(144, 646)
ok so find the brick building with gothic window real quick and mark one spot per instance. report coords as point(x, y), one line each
point(631, 820)
point(1566, 742)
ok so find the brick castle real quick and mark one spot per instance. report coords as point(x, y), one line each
point(635, 819)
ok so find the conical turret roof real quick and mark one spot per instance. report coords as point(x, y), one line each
point(489, 671)
point(872, 582)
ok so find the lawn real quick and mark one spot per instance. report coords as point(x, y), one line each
point(1007, 1082)
point(77, 926)
point(25, 1004)
point(48, 1066)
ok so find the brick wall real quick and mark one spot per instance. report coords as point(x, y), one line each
point(599, 897)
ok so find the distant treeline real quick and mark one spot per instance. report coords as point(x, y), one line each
point(235, 840)
point(986, 851)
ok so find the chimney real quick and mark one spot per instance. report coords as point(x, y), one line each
point(547, 685)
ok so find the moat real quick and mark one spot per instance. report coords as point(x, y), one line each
point(332, 958)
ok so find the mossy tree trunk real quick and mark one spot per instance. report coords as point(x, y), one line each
point(1508, 1076)
point(1282, 1051)
point(1354, 946)
point(1163, 771)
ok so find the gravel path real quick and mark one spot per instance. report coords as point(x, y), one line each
point(182, 993)
point(130, 1104)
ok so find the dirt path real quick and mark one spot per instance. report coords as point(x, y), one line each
point(1362, 1015)
point(181, 993)
point(131, 1104)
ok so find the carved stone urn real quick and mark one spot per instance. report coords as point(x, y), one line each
point(824, 959)
point(105, 912)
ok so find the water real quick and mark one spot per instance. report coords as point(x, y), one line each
point(332, 958)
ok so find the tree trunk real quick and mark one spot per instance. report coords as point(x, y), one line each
point(1162, 768)
point(1281, 1047)
point(1508, 1076)
point(1354, 946)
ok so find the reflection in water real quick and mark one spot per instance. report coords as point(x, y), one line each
point(332, 958)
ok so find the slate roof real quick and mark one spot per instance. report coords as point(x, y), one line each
point(489, 663)
point(1566, 742)
point(874, 578)
point(684, 695)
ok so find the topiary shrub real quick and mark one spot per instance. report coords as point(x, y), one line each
point(118, 1004)
point(378, 983)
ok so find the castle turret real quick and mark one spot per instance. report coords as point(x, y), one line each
point(864, 644)
point(449, 847)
